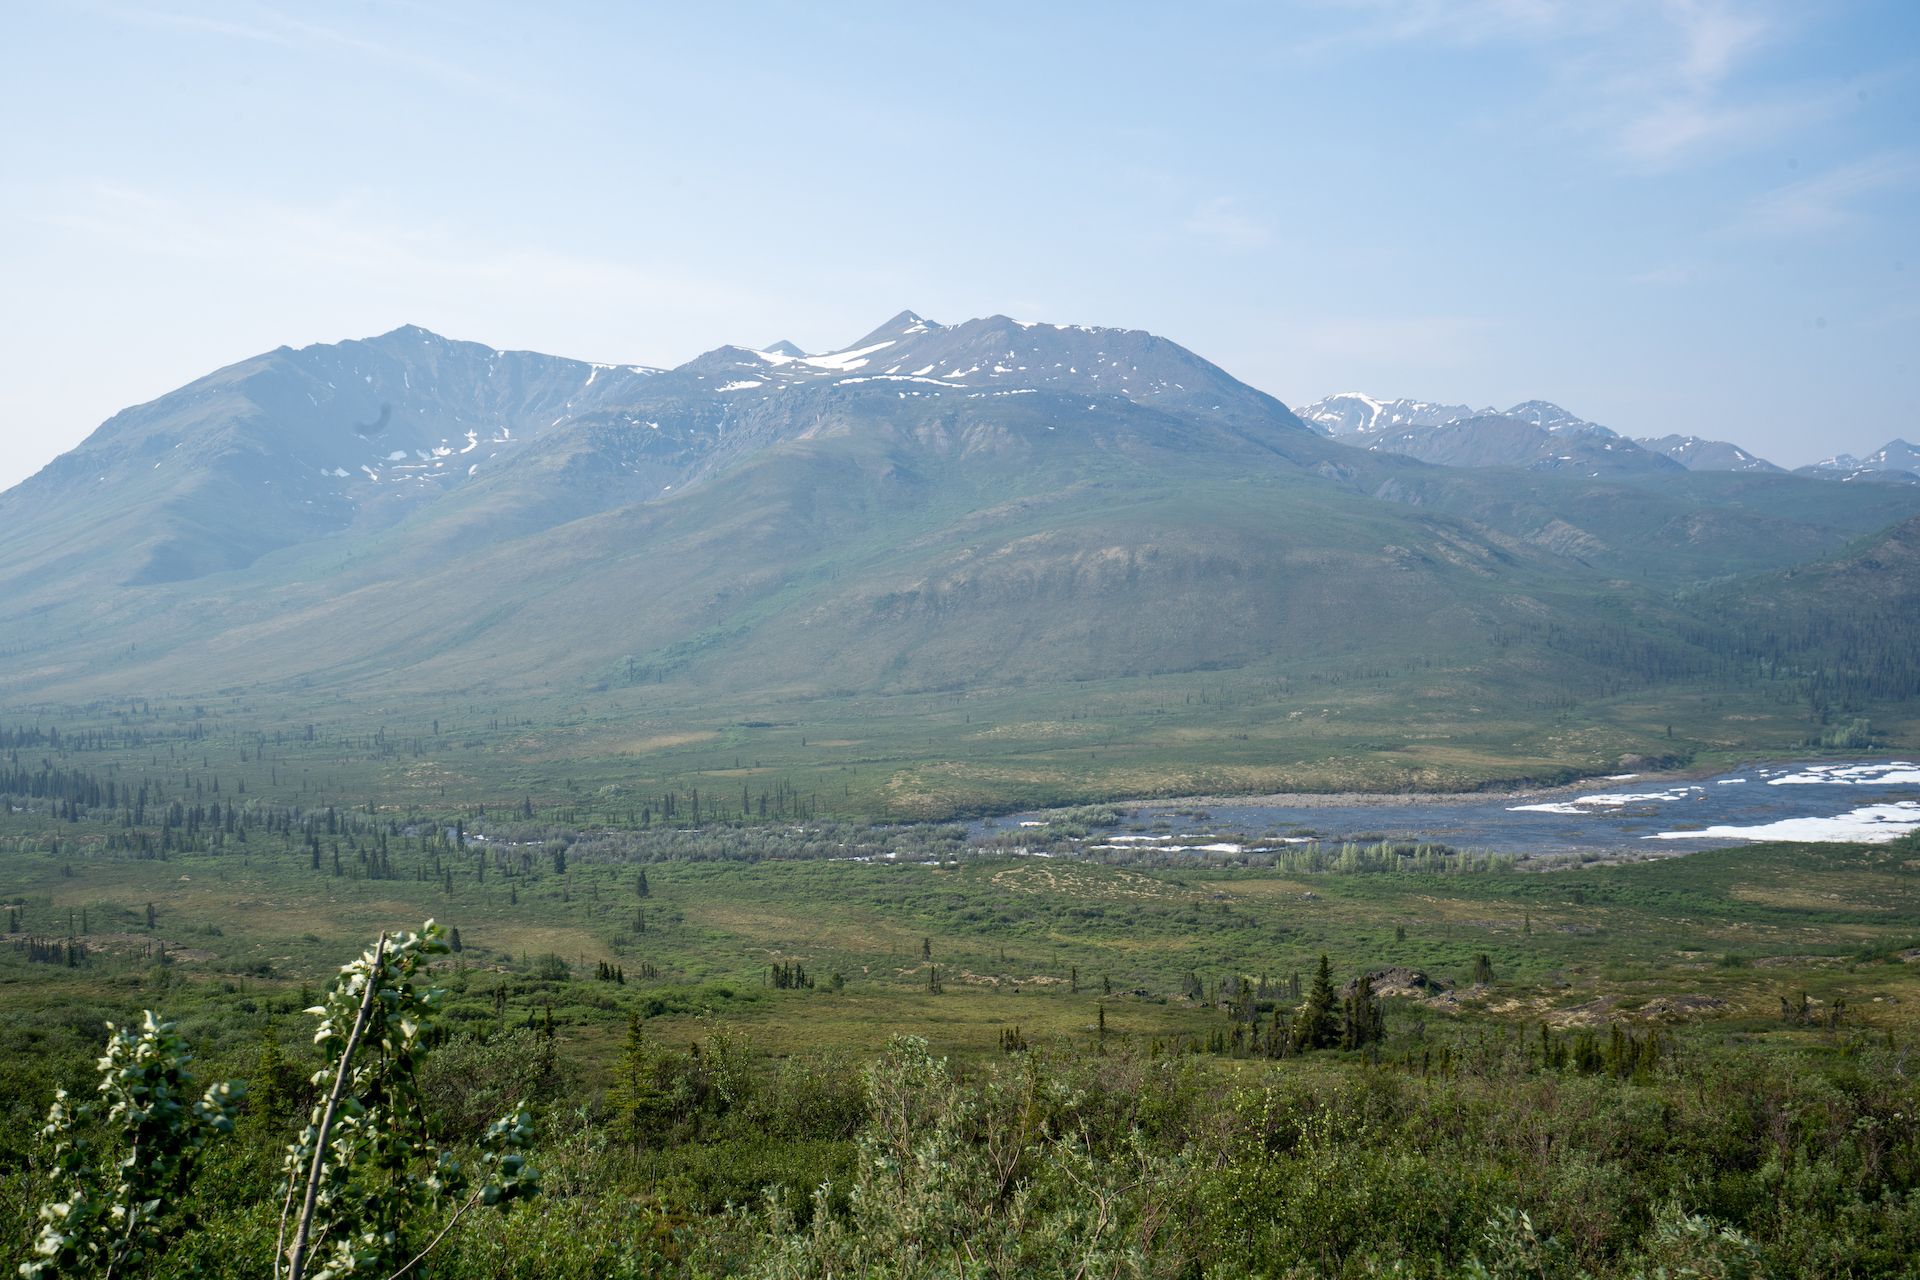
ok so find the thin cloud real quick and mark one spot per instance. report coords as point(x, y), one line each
point(264, 25)
point(1698, 105)
point(1461, 23)
point(1656, 83)
point(344, 249)
point(1664, 85)
point(197, 22)
point(1830, 201)
point(1664, 135)
point(1715, 38)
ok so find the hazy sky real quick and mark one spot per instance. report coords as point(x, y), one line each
point(1694, 217)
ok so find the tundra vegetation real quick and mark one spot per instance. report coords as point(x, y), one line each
point(798, 1045)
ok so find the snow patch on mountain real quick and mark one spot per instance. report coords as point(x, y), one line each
point(1456, 435)
point(1698, 454)
point(843, 361)
point(1895, 462)
point(1354, 413)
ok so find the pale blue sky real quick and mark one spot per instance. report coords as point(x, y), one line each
point(1667, 216)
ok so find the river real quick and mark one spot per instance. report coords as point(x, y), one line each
point(1627, 814)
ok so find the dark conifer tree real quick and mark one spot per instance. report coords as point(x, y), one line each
point(1362, 1022)
point(1318, 1027)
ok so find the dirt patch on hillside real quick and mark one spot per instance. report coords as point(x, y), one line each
point(1599, 1012)
point(1668, 1008)
point(141, 944)
point(1794, 899)
point(1083, 882)
point(1594, 1013)
point(662, 741)
point(1401, 982)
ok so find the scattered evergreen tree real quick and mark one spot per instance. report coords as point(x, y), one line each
point(638, 1096)
point(1362, 1020)
point(1319, 1026)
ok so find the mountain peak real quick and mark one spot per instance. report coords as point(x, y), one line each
point(1696, 453)
point(900, 326)
point(1537, 434)
point(1895, 457)
point(1357, 413)
point(409, 332)
point(1545, 413)
point(783, 348)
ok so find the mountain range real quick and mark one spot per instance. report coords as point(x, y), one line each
point(1541, 435)
point(986, 507)
point(1896, 462)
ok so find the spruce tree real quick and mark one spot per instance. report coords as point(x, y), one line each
point(637, 1096)
point(1318, 1027)
point(1362, 1021)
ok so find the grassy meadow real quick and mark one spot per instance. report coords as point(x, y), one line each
point(695, 961)
point(1041, 943)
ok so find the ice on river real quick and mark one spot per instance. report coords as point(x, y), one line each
point(1869, 824)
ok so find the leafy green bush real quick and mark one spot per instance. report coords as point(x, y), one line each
point(120, 1172)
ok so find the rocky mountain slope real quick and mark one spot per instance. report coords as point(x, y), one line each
point(1537, 434)
point(1698, 454)
point(991, 504)
point(1895, 462)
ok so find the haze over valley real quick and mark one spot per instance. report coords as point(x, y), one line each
point(682, 641)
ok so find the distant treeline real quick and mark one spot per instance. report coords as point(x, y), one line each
point(1834, 660)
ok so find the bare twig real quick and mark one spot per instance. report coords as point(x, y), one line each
point(434, 1243)
point(297, 1261)
point(286, 1208)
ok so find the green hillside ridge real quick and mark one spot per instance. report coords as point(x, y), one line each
point(670, 558)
